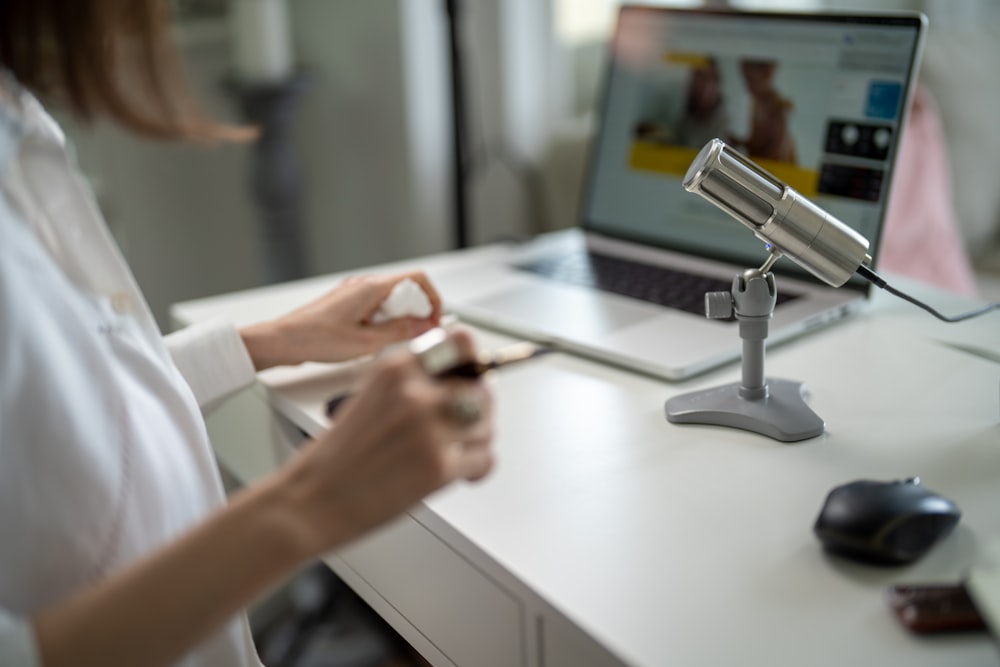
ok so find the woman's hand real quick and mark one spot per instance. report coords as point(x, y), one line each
point(338, 326)
point(402, 435)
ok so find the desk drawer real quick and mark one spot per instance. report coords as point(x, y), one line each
point(456, 607)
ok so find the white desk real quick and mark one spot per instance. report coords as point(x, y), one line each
point(607, 535)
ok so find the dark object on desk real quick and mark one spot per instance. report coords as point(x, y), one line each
point(483, 363)
point(884, 522)
point(934, 608)
point(488, 361)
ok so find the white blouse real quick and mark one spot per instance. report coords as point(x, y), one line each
point(104, 454)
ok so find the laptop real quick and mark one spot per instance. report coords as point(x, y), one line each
point(817, 99)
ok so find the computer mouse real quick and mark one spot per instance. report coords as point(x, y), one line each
point(884, 522)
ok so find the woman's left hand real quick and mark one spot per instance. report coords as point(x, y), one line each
point(338, 326)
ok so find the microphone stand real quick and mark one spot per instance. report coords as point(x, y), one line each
point(773, 407)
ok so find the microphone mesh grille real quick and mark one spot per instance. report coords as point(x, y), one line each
point(736, 198)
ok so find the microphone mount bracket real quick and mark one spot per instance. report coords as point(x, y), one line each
point(774, 407)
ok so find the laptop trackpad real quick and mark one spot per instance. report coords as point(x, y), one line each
point(564, 311)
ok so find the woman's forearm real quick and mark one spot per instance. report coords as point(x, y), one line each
point(267, 345)
point(155, 611)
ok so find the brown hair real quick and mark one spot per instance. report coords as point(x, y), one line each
point(106, 58)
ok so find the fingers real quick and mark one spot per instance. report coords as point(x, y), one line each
point(421, 279)
point(401, 329)
point(477, 461)
point(470, 410)
point(377, 287)
point(448, 420)
point(400, 326)
point(464, 406)
point(385, 284)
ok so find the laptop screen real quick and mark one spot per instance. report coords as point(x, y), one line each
point(816, 99)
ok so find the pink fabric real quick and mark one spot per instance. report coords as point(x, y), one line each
point(921, 238)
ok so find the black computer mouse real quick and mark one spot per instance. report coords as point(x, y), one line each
point(884, 522)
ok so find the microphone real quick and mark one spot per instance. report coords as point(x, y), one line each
point(786, 221)
point(789, 223)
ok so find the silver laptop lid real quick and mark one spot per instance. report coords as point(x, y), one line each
point(817, 99)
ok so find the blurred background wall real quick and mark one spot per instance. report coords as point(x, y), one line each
point(372, 134)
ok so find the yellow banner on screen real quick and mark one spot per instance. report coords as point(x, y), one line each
point(674, 161)
point(688, 59)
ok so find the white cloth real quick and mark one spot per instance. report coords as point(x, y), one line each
point(407, 299)
point(103, 451)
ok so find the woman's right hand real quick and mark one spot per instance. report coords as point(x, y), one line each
point(402, 435)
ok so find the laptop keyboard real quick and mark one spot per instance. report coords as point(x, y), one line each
point(647, 282)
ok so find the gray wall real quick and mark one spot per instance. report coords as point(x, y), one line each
point(372, 135)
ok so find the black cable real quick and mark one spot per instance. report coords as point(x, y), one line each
point(880, 282)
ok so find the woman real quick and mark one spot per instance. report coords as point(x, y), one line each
point(116, 546)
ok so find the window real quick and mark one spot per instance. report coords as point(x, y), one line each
point(581, 21)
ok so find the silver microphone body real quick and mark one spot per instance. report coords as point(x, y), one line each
point(778, 215)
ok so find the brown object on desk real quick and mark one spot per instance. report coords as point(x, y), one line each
point(934, 608)
point(487, 361)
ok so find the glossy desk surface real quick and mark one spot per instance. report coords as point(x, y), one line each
point(693, 545)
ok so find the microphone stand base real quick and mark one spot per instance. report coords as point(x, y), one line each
point(782, 414)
